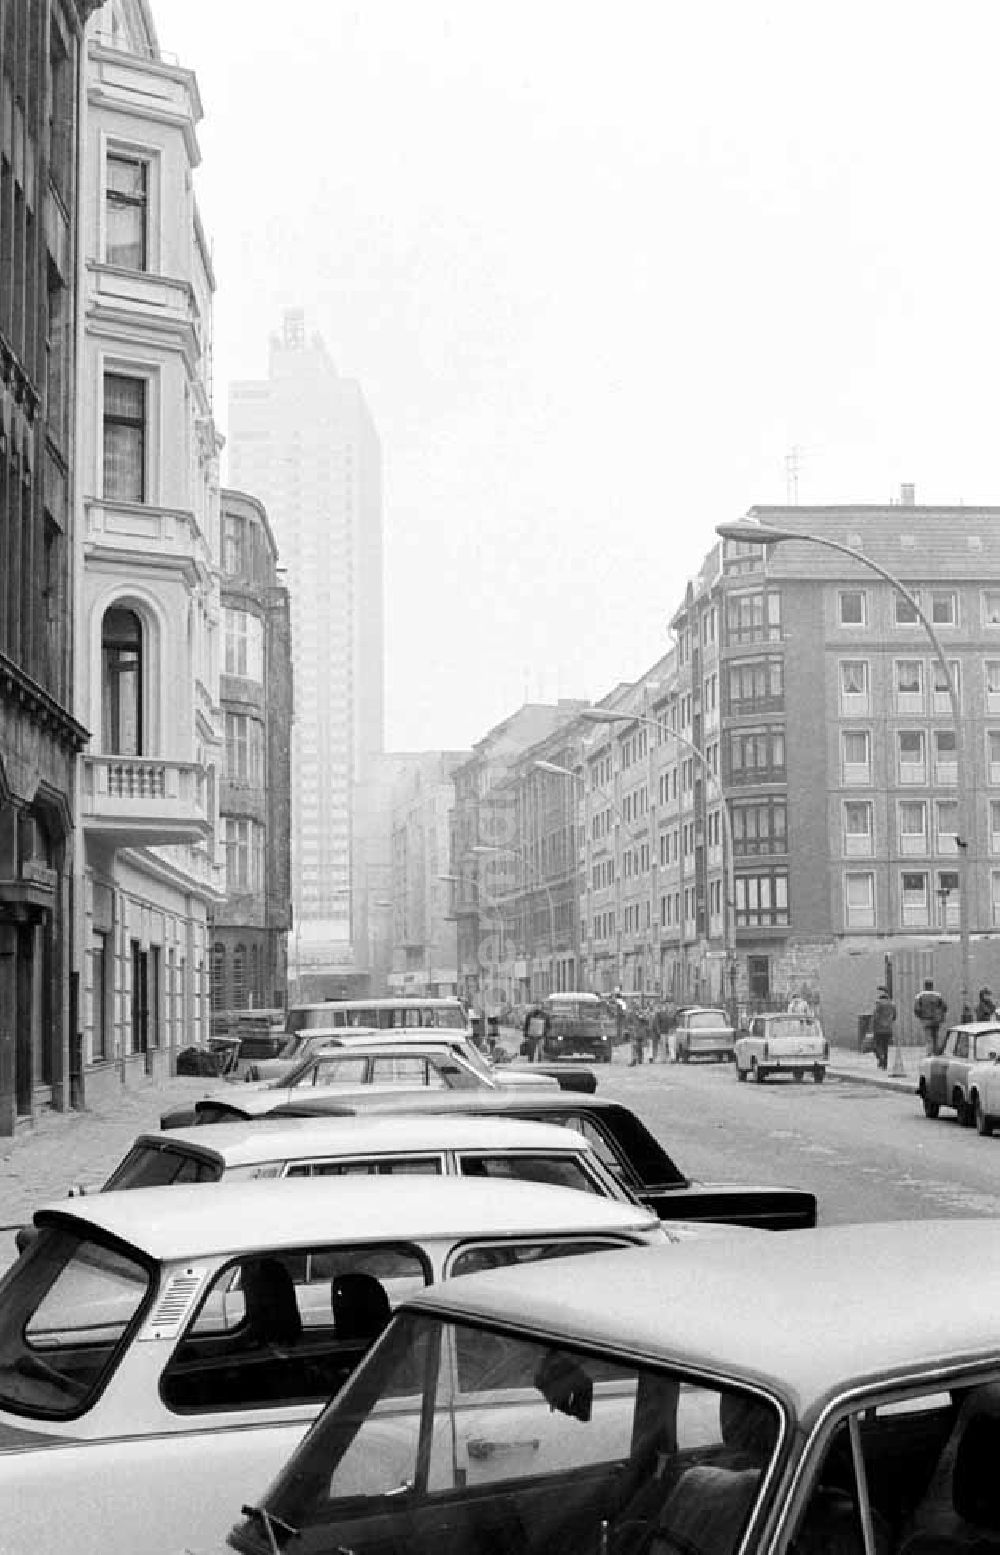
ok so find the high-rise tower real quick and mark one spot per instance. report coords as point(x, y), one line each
point(304, 442)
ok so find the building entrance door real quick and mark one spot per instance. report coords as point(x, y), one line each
point(140, 998)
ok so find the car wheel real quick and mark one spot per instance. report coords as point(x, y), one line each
point(757, 1071)
point(962, 1110)
point(798, 1075)
point(931, 1108)
point(741, 1074)
point(984, 1123)
point(819, 1074)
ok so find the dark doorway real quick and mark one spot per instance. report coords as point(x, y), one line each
point(759, 974)
point(140, 999)
point(25, 1024)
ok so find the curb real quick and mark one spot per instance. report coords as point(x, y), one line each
point(886, 1082)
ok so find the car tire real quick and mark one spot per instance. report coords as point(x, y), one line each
point(819, 1074)
point(741, 1074)
point(962, 1110)
point(757, 1071)
point(984, 1123)
point(931, 1108)
point(798, 1075)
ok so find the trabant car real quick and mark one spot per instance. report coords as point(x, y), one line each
point(621, 1406)
point(162, 1351)
point(432, 1062)
point(701, 1033)
point(782, 1043)
point(617, 1135)
point(943, 1078)
point(454, 1145)
point(984, 1094)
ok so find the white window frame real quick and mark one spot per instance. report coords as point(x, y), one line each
point(149, 374)
point(909, 701)
point(911, 843)
point(862, 914)
point(899, 603)
point(856, 703)
point(992, 766)
point(991, 672)
point(914, 915)
point(912, 773)
point(940, 697)
point(938, 595)
point(945, 772)
point(995, 825)
point(995, 896)
point(859, 844)
point(991, 609)
point(945, 839)
point(139, 151)
point(856, 774)
point(844, 594)
point(948, 913)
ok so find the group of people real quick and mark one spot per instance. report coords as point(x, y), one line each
point(647, 1023)
point(930, 1008)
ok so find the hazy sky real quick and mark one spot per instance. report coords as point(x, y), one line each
point(599, 268)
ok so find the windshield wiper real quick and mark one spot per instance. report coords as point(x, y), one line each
point(268, 1521)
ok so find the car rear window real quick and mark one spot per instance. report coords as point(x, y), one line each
point(65, 1315)
point(706, 1020)
point(560, 1171)
point(155, 1166)
point(794, 1026)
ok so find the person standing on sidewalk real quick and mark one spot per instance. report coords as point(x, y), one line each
point(636, 1030)
point(986, 1007)
point(930, 1010)
point(883, 1020)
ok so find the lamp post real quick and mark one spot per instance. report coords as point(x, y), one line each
point(765, 534)
point(603, 715)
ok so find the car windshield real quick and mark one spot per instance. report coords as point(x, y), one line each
point(793, 1026)
point(155, 1166)
point(65, 1309)
point(706, 1020)
point(523, 1445)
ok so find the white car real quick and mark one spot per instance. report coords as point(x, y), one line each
point(984, 1093)
point(701, 1033)
point(782, 1043)
point(163, 1351)
point(350, 1061)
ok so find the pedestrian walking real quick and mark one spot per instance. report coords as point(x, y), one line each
point(930, 1010)
point(536, 1029)
point(883, 1020)
point(663, 1023)
point(986, 1006)
point(636, 1030)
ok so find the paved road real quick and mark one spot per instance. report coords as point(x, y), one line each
point(868, 1154)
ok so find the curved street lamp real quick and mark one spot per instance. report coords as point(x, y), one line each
point(752, 533)
point(606, 715)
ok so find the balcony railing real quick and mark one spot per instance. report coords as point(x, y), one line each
point(145, 801)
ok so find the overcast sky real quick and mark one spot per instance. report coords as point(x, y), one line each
point(599, 268)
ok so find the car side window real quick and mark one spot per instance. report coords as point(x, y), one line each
point(274, 1329)
point(962, 1044)
point(596, 1140)
point(342, 1071)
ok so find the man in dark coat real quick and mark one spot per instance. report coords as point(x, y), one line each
point(930, 1010)
point(883, 1020)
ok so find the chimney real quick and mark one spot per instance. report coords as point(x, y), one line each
point(907, 494)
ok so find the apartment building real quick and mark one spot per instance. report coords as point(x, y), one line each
point(250, 928)
point(148, 645)
point(424, 947)
point(303, 440)
point(40, 45)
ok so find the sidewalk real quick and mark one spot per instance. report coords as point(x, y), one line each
point(847, 1063)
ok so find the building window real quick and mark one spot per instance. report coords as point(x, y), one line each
point(995, 825)
point(947, 826)
point(945, 757)
point(244, 645)
point(995, 895)
point(944, 607)
point(859, 901)
point(915, 900)
point(759, 829)
point(124, 438)
point(858, 827)
point(121, 688)
point(753, 617)
point(762, 900)
point(244, 855)
point(854, 686)
point(127, 211)
point(756, 755)
point(853, 607)
point(912, 756)
point(218, 974)
point(909, 686)
point(905, 613)
point(100, 960)
point(244, 750)
point(912, 826)
point(233, 544)
point(993, 755)
point(755, 686)
point(991, 607)
point(240, 978)
point(940, 694)
point(856, 757)
point(759, 977)
point(991, 669)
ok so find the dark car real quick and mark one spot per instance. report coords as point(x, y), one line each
point(622, 1141)
point(577, 1026)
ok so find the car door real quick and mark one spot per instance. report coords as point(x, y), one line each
point(937, 1071)
point(957, 1067)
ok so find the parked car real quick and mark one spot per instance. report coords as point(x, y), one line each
point(620, 1139)
point(162, 1351)
point(702, 1033)
point(943, 1078)
point(400, 1144)
point(628, 1404)
point(782, 1043)
point(434, 1061)
point(577, 1027)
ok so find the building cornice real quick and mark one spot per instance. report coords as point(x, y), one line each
point(16, 686)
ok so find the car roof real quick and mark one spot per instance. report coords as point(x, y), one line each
point(435, 1037)
point(403, 1002)
point(975, 1027)
point(863, 1303)
point(244, 1142)
point(573, 998)
point(389, 1099)
point(186, 1221)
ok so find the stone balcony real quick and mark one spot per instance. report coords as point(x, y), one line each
point(159, 534)
point(145, 801)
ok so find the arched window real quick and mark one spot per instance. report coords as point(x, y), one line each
point(121, 688)
point(240, 978)
point(218, 991)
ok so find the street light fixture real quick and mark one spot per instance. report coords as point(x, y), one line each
point(752, 533)
point(607, 715)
